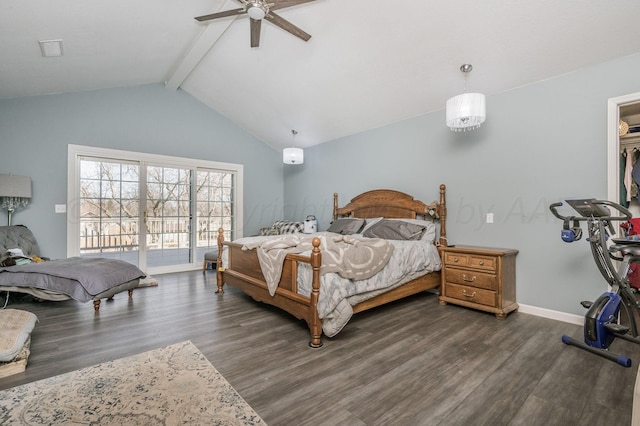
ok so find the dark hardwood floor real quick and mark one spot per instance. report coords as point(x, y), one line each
point(413, 362)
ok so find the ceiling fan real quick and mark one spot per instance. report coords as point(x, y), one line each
point(259, 10)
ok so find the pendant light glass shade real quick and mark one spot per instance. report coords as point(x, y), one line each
point(466, 112)
point(293, 156)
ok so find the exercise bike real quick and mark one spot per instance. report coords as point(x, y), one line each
point(601, 323)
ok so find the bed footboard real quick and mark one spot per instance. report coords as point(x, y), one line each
point(243, 271)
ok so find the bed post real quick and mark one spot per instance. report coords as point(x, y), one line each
point(219, 266)
point(335, 206)
point(315, 326)
point(443, 216)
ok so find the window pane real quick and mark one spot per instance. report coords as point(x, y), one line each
point(109, 209)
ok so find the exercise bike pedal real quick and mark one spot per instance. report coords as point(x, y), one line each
point(616, 328)
point(586, 304)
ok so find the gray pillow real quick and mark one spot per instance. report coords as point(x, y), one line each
point(346, 226)
point(395, 230)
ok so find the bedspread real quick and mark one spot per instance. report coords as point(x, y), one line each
point(80, 278)
point(409, 260)
point(351, 258)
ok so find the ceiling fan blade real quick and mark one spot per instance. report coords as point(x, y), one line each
point(288, 3)
point(255, 32)
point(287, 26)
point(232, 12)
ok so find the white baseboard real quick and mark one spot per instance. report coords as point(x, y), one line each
point(548, 313)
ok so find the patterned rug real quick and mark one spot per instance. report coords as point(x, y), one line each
point(169, 386)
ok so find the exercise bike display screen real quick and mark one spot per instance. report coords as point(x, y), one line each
point(587, 208)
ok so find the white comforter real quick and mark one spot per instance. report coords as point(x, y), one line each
point(410, 259)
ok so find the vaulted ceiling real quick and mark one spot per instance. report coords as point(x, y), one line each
point(368, 63)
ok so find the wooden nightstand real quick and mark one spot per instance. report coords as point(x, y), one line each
point(482, 278)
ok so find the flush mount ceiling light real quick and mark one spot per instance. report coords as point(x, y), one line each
point(50, 48)
point(293, 155)
point(466, 111)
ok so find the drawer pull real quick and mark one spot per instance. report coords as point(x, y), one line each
point(464, 293)
point(455, 259)
point(469, 280)
point(481, 262)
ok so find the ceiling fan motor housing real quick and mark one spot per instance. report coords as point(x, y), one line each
point(257, 10)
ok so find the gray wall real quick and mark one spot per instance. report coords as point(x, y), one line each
point(541, 143)
point(35, 132)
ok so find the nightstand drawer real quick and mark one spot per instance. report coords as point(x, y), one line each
point(471, 294)
point(471, 260)
point(470, 278)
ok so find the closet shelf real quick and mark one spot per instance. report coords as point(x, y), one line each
point(630, 141)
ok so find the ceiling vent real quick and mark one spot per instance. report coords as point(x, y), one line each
point(51, 48)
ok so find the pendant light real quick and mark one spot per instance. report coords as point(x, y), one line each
point(468, 110)
point(293, 155)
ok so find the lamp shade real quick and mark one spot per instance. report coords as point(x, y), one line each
point(293, 156)
point(15, 186)
point(466, 112)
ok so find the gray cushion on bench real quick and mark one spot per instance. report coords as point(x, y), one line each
point(212, 255)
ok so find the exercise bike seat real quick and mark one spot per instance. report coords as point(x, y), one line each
point(630, 240)
point(626, 249)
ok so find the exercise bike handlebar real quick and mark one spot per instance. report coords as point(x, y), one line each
point(626, 214)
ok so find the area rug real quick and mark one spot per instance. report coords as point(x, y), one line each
point(147, 281)
point(168, 386)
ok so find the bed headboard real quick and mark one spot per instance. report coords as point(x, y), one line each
point(18, 236)
point(394, 204)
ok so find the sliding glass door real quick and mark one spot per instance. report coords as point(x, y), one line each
point(168, 216)
point(215, 208)
point(157, 215)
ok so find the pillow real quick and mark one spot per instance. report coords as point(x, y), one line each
point(429, 228)
point(285, 227)
point(395, 230)
point(268, 231)
point(346, 226)
point(370, 222)
point(16, 330)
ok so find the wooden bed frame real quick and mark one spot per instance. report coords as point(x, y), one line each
point(243, 269)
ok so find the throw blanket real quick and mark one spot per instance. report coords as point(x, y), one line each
point(80, 278)
point(349, 257)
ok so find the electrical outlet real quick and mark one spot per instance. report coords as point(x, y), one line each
point(489, 217)
point(61, 208)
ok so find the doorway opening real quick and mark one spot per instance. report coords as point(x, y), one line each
point(627, 106)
